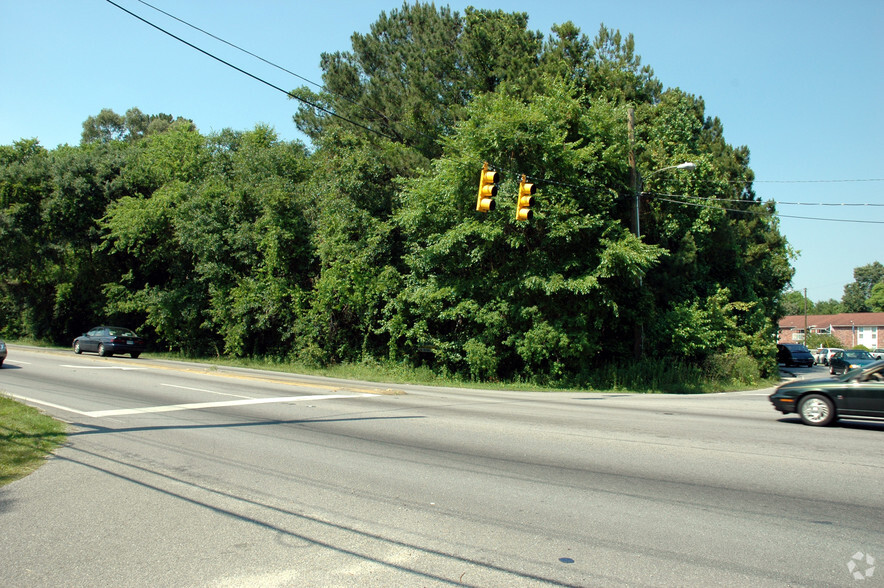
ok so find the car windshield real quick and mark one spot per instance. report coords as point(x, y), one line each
point(856, 354)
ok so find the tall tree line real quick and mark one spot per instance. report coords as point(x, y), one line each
point(367, 245)
point(864, 294)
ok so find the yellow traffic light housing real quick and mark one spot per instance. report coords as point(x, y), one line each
point(487, 189)
point(525, 200)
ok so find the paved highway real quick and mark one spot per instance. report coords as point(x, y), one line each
point(184, 475)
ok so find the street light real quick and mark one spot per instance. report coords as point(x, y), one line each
point(640, 183)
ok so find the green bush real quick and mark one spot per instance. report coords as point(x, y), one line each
point(732, 367)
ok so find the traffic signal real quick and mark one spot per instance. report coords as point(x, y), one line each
point(487, 190)
point(525, 200)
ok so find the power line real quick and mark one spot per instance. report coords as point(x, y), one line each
point(228, 43)
point(816, 181)
point(664, 198)
point(388, 122)
point(251, 75)
point(386, 119)
point(777, 202)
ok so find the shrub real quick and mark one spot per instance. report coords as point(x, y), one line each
point(732, 367)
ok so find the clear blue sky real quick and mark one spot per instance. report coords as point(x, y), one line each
point(800, 82)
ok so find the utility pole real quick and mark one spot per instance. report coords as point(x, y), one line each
point(805, 318)
point(633, 171)
point(638, 333)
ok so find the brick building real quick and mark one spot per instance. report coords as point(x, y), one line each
point(851, 328)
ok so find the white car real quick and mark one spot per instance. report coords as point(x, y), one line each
point(832, 351)
point(877, 353)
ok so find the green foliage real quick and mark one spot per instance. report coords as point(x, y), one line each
point(830, 306)
point(733, 367)
point(817, 340)
point(857, 294)
point(794, 303)
point(109, 127)
point(369, 249)
point(876, 298)
point(541, 296)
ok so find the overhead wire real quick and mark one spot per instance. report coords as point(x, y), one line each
point(665, 198)
point(249, 74)
point(671, 199)
point(267, 61)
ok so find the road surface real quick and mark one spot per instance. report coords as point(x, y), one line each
point(178, 474)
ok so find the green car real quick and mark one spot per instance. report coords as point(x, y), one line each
point(849, 359)
point(858, 394)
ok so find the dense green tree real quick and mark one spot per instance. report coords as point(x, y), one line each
point(499, 52)
point(725, 258)
point(403, 79)
point(410, 78)
point(876, 299)
point(830, 306)
point(857, 293)
point(219, 252)
point(817, 340)
point(370, 245)
point(794, 302)
point(495, 297)
point(108, 126)
point(357, 248)
point(25, 183)
point(249, 232)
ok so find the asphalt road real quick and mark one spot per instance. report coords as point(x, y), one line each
point(185, 475)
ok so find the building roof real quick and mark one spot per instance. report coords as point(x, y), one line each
point(823, 321)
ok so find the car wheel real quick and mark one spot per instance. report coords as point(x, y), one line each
point(77, 349)
point(816, 410)
point(102, 351)
point(134, 355)
point(832, 370)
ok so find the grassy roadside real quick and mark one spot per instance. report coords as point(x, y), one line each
point(645, 377)
point(27, 437)
point(722, 373)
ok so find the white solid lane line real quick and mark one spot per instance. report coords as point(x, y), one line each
point(190, 406)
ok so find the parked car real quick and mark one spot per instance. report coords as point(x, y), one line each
point(877, 353)
point(2, 352)
point(107, 341)
point(820, 355)
point(851, 359)
point(791, 354)
point(854, 395)
point(832, 351)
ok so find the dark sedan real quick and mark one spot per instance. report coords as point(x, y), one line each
point(849, 359)
point(855, 395)
point(107, 341)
